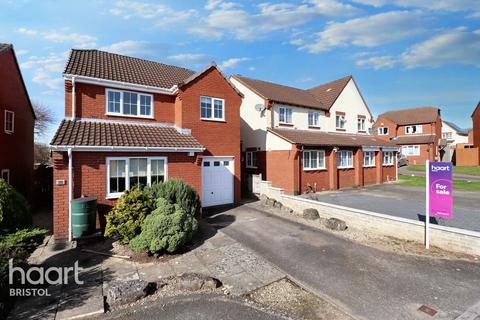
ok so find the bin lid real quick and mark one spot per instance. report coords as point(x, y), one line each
point(84, 199)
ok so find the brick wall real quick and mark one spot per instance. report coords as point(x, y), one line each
point(369, 176)
point(281, 169)
point(476, 127)
point(16, 148)
point(427, 152)
point(383, 122)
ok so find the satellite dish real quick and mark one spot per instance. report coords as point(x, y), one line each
point(259, 107)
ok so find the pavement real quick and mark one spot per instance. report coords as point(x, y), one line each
point(364, 282)
point(456, 176)
point(406, 202)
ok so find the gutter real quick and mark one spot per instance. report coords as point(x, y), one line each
point(123, 149)
point(73, 99)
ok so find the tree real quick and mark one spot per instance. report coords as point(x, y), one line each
point(44, 119)
point(41, 154)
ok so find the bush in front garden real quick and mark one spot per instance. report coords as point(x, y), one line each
point(14, 213)
point(125, 219)
point(176, 191)
point(167, 228)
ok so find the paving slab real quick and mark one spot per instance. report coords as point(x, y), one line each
point(81, 302)
point(241, 283)
point(155, 271)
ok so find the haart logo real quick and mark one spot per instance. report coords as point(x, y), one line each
point(439, 168)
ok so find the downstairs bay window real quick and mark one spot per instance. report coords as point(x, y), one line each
point(141, 171)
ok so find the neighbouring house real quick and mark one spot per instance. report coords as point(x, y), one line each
point(453, 136)
point(17, 119)
point(130, 121)
point(476, 126)
point(417, 131)
point(310, 140)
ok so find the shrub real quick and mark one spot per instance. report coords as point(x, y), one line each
point(176, 191)
point(168, 228)
point(125, 219)
point(14, 213)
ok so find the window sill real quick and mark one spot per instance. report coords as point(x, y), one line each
point(340, 129)
point(215, 120)
point(314, 127)
point(316, 169)
point(370, 166)
point(341, 168)
point(362, 131)
point(114, 196)
point(283, 124)
point(248, 167)
point(387, 165)
point(8, 132)
point(128, 116)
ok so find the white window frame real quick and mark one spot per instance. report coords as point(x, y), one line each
point(390, 162)
point(116, 195)
point(447, 135)
point(7, 171)
point(382, 131)
point(419, 129)
point(122, 113)
point(371, 158)
point(315, 117)
point(5, 122)
point(349, 164)
point(340, 119)
point(320, 155)
point(213, 118)
point(411, 150)
point(250, 155)
point(362, 124)
point(286, 111)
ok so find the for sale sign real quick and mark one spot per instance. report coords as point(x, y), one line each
point(440, 189)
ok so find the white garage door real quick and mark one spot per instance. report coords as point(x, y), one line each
point(217, 181)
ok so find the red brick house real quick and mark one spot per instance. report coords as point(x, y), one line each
point(475, 133)
point(417, 131)
point(130, 121)
point(17, 119)
point(311, 140)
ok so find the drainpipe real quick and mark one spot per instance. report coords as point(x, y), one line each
point(70, 184)
point(73, 98)
point(396, 165)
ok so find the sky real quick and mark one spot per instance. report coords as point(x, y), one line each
point(402, 53)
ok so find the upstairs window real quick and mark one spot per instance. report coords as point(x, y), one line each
point(447, 135)
point(212, 108)
point(9, 121)
point(344, 159)
point(340, 121)
point(387, 158)
point(251, 159)
point(129, 104)
point(361, 124)
point(313, 119)
point(6, 175)
point(382, 131)
point(313, 160)
point(413, 129)
point(285, 115)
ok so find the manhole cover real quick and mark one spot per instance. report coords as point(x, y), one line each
point(427, 310)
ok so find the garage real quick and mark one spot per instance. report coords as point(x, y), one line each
point(217, 181)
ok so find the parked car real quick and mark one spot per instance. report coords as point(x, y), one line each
point(402, 161)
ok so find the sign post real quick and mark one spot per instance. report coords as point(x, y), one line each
point(439, 194)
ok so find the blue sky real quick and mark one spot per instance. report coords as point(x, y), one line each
point(402, 53)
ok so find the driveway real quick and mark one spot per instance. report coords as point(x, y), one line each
point(407, 202)
point(365, 282)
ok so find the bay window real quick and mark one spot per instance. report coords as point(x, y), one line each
point(211, 108)
point(285, 115)
point(125, 173)
point(344, 159)
point(369, 158)
point(313, 159)
point(129, 104)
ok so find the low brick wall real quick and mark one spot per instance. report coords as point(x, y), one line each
point(451, 239)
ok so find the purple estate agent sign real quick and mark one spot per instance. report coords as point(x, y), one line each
point(441, 192)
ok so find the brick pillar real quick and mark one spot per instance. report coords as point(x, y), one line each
point(60, 195)
point(332, 170)
point(297, 184)
point(358, 164)
point(378, 166)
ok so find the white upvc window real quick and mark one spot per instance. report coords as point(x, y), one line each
point(447, 135)
point(125, 173)
point(413, 150)
point(9, 124)
point(369, 158)
point(387, 158)
point(413, 129)
point(340, 121)
point(6, 175)
point(212, 108)
point(129, 104)
point(313, 119)
point(361, 124)
point(382, 131)
point(344, 159)
point(285, 115)
point(313, 160)
point(251, 159)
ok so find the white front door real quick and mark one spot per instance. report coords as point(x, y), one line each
point(217, 181)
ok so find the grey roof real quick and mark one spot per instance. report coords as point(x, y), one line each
point(457, 128)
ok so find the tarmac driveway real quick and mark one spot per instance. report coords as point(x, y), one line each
point(407, 202)
point(364, 282)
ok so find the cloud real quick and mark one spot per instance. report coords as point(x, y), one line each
point(21, 52)
point(304, 80)
point(379, 62)
point(232, 63)
point(132, 47)
point(189, 57)
point(454, 46)
point(163, 14)
point(231, 19)
point(26, 31)
point(446, 5)
point(79, 40)
point(367, 31)
point(47, 71)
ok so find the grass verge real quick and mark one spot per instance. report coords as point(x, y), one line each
point(419, 181)
point(472, 170)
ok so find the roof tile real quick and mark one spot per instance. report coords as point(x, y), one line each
point(412, 116)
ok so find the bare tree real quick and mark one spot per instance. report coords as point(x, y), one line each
point(44, 119)
point(41, 154)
